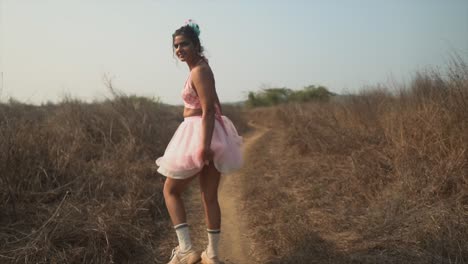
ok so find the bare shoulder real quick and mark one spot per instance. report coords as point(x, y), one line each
point(202, 72)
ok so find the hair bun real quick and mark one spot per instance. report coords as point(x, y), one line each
point(193, 25)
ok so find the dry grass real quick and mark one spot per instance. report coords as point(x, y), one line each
point(377, 177)
point(78, 181)
point(238, 117)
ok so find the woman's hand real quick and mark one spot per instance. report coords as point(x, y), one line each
point(206, 154)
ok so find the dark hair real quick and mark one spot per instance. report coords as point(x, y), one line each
point(188, 32)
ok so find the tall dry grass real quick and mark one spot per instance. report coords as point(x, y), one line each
point(78, 183)
point(377, 177)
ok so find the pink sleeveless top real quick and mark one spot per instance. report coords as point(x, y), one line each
point(189, 95)
point(192, 101)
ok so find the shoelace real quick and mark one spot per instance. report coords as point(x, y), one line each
point(174, 252)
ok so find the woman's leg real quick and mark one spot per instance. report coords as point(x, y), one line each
point(173, 190)
point(209, 182)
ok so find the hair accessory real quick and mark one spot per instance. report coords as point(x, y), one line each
point(193, 25)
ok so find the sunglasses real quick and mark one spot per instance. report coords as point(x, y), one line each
point(181, 44)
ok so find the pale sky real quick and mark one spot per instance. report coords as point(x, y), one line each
point(55, 48)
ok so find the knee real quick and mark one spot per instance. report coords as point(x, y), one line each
point(170, 191)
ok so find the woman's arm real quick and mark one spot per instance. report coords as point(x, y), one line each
point(203, 81)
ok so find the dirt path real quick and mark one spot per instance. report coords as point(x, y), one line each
point(234, 245)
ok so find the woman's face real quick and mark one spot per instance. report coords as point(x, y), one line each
point(184, 48)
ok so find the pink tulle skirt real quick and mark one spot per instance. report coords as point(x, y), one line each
point(182, 158)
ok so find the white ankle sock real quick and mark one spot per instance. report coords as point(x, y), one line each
point(213, 242)
point(183, 236)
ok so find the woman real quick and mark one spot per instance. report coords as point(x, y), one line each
point(205, 144)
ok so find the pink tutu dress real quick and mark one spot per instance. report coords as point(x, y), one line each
point(182, 157)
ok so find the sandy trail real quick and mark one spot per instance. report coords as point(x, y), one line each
point(235, 245)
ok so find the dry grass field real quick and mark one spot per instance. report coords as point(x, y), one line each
point(378, 177)
point(78, 182)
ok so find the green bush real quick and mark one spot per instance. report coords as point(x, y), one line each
point(275, 96)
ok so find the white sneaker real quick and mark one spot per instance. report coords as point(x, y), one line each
point(206, 260)
point(188, 257)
